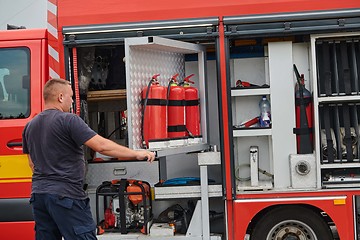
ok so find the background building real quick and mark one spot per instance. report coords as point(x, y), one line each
point(27, 13)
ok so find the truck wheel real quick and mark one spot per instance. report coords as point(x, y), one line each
point(291, 223)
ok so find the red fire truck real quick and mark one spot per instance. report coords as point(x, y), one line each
point(295, 178)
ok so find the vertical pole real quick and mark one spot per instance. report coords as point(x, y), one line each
point(204, 203)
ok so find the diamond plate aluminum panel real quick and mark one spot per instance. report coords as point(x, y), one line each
point(143, 64)
point(99, 172)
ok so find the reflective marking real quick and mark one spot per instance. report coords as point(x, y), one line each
point(289, 199)
point(53, 74)
point(53, 53)
point(15, 180)
point(339, 201)
point(52, 30)
point(52, 8)
point(15, 168)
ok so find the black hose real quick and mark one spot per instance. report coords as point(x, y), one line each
point(143, 112)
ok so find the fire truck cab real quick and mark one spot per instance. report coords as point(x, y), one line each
point(236, 179)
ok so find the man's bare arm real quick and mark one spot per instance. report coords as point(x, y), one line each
point(110, 148)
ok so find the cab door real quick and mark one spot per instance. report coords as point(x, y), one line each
point(22, 56)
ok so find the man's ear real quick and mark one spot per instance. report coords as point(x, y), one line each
point(61, 98)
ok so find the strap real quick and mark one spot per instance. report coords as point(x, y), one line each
point(305, 101)
point(305, 141)
point(176, 103)
point(192, 102)
point(326, 74)
point(177, 128)
point(345, 67)
point(347, 139)
point(155, 102)
point(329, 143)
point(302, 131)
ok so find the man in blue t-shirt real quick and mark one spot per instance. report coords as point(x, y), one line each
point(53, 141)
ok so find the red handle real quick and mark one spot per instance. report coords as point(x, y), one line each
point(187, 79)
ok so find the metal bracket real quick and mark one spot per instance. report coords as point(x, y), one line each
point(233, 29)
point(209, 30)
point(287, 26)
point(341, 22)
point(72, 38)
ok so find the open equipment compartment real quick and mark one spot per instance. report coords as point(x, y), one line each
point(147, 56)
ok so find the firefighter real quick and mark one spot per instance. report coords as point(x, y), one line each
point(53, 142)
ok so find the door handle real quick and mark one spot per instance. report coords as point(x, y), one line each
point(13, 144)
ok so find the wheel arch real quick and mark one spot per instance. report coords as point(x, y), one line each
point(327, 219)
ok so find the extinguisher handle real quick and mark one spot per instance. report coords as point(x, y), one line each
point(187, 79)
point(174, 78)
point(155, 77)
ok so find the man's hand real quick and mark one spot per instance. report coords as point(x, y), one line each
point(143, 154)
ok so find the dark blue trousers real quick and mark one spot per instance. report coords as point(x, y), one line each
point(57, 217)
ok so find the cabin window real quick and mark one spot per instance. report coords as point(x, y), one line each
point(14, 83)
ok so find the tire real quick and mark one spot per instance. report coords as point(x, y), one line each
point(291, 223)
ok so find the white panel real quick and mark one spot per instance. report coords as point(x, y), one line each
point(242, 156)
point(282, 109)
point(249, 70)
point(303, 171)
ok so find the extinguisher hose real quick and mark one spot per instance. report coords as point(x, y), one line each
point(143, 112)
point(168, 92)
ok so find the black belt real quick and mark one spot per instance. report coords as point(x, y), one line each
point(177, 128)
point(155, 102)
point(345, 73)
point(325, 72)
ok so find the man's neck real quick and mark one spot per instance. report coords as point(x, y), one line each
point(52, 106)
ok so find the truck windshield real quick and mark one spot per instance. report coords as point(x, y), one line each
point(14, 83)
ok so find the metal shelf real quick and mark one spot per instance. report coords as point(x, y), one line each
point(248, 132)
point(181, 149)
point(243, 92)
point(186, 191)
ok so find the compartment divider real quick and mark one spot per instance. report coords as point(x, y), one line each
point(336, 130)
point(355, 124)
point(329, 142)
point(347, 130)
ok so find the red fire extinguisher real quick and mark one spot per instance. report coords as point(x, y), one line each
point(176, 109)
point(192, 110)
point(154, 112)
point(304, 116)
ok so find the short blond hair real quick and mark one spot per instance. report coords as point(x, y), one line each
point(51, 88)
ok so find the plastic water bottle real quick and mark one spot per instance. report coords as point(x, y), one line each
point(265, 112)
